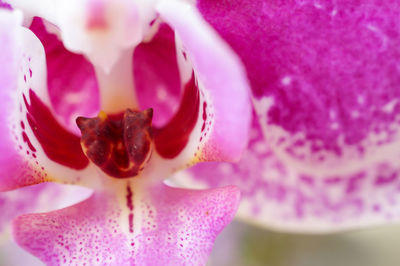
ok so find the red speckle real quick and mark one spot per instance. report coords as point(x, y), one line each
point(152, 22)
point(26, 139)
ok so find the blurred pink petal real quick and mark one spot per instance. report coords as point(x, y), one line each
point(325, 78)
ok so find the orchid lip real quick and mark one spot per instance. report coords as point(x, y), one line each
point(120, 145)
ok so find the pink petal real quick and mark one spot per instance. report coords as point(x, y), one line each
point(325, 76)
point(325, 79)
point(156, 75)
point(11, 163)
point(276, 195)
point(4, 5)
point(157, 226)
point(215, 128)
point(12, 254)
point(36, 148)
point(71, 80)
point(38, 198)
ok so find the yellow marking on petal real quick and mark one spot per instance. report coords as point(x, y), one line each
point(102, 115)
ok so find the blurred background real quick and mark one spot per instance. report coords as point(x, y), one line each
point(241, 244)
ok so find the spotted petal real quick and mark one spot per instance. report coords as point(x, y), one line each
point(30, 133)
point(207, 126)
point(38, 198)
point(158, 226)
point(325, 81)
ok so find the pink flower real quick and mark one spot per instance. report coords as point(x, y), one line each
point(324, 153)
point(114, 59)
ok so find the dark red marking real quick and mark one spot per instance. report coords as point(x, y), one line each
point(204, 116)
point(129, 203)
point(131, 222)
point(152, 21)
point(22, 125)
point(118, 145)
point(26, 139)
point(171, 139)
point(59, 145)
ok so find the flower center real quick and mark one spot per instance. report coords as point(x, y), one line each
point(120, 145)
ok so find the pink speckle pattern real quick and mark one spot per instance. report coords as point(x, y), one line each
point(276, 195)
point(86, 234)
point(187, 222)
point(329, 68)
point(325, 82)
point(175, 227)
point(37, 198)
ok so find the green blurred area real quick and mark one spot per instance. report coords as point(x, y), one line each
point(240, 244)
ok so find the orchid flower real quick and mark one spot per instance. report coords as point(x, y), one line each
point(324, 153)
point(116, 96)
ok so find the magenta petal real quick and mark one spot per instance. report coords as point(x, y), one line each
point(38, 198)
point(71, 79)
point(35, 146)
point(159, 226)
point(13, 169)
point(276, 195)
point(325, 79)
point(224, 105)
point(156, 75)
